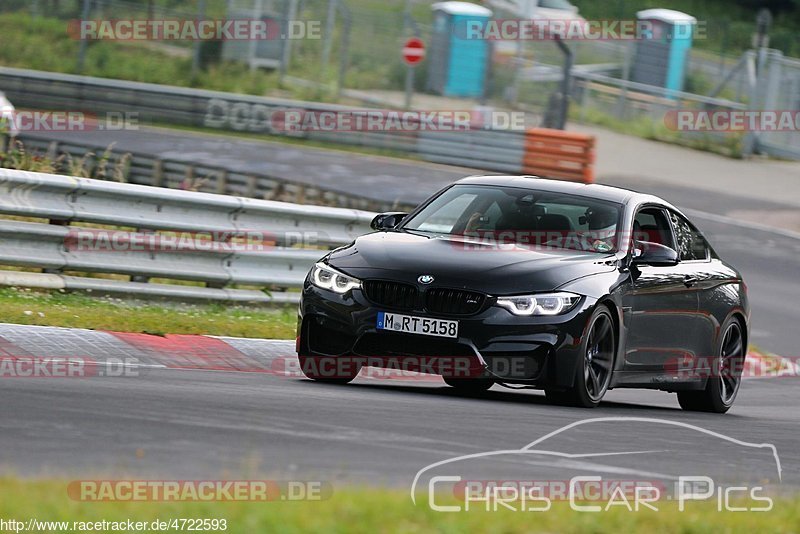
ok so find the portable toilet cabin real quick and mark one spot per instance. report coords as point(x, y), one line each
point(458, 60)
point(662, 52)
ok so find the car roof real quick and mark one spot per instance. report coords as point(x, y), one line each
point(600, 192)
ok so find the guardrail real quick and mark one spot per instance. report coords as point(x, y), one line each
point(150, 232)
point(489, 149)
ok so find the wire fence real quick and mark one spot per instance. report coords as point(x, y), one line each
point(356, 56)
point(360, 41)
point(782, 92)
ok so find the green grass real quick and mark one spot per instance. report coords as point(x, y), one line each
point(42, 43)
point(21, 306)
point(371, 510)
point(726, 144)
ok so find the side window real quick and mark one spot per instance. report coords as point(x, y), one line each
point(651, 224)
point(689, 243)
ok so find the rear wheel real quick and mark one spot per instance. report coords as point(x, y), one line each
point(328, 369)
point(593, 372)
point(469, 385)
point(723, 384)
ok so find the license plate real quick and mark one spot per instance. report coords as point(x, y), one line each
point(417, 325)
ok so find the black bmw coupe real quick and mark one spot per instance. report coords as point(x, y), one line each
point(519, 281)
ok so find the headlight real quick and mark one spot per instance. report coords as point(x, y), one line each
point(541, 304)
point(325, 277)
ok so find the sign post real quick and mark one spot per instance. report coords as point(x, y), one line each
point(413, 54)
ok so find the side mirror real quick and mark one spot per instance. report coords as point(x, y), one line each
point(388, 220)
point(648, 253)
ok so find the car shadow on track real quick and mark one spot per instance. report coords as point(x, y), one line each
point(523, 396)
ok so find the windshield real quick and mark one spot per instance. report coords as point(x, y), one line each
point(518, 216)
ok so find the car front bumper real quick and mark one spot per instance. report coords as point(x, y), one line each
point(537, 351)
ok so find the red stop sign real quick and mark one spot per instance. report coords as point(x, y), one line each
point(413, 51)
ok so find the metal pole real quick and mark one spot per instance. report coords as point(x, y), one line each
point(763, 24)
point(409, 86)
point(626, 74)
point(344, 48)
point(251, 49)
point(201, 14)
point(330, 24)
point(85, 13)
point(565, 83)
point(529, 9)
point(758, 90)
point(286, 52)
point(723, 46)
point(408, 22)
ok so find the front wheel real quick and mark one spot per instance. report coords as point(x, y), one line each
point(328, 369)
point(593, 372)
point(723, 384)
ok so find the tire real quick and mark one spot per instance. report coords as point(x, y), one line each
point(313, 368)
point(469, 385)
point(593, 373)
point(723, 386)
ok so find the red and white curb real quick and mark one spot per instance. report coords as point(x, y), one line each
point(760, 364)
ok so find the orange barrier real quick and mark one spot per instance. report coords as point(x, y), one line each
point(559, 154)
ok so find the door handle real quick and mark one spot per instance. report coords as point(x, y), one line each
point(689, 280)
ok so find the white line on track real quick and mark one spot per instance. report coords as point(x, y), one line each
point(742, 224)
point(108, 364)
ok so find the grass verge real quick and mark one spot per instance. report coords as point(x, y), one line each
point(725, 144)
point(368, 510)
point(294, 141)
point(23, 306)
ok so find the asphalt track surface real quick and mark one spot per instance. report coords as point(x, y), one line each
point(184, 423)
point(161, 423)
point(388, 179)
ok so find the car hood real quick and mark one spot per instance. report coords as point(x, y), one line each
point(458, 261)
